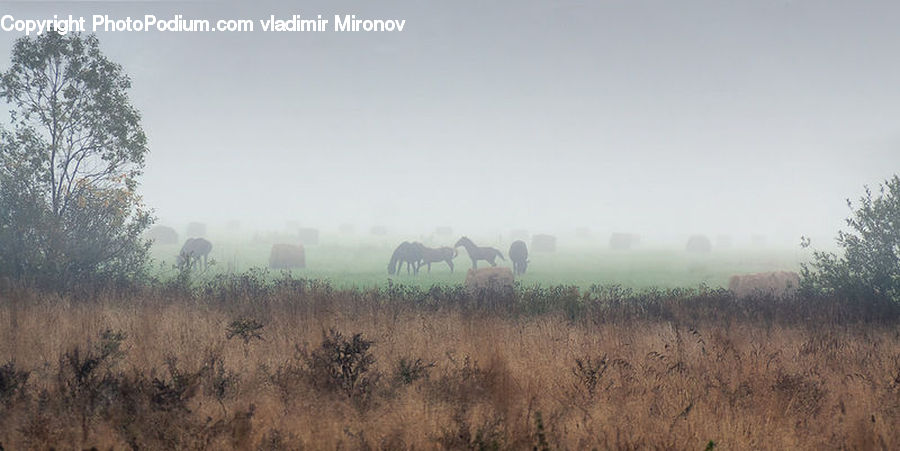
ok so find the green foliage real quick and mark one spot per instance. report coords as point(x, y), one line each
point(870, 265)
point(69, 211)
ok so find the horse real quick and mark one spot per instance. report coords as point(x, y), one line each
point(408, 253)
point(192, 251)
point(518, 253)
point(476, 253)
point(433, 255)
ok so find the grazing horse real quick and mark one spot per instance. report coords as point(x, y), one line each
point(518, 253)
point(193, 250)
point(408, 253)
point(476, 253)
point(433, 255)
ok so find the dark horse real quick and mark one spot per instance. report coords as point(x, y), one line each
point(408, 253)
point(193, 251)
point(433, 255)
point(476, 253)
point(518, 253)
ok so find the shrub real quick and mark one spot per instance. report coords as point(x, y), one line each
point(245, 328)
point(342, 365)
point(12, 382)
point(870, 264)
point(409, 371)
point(589, 372)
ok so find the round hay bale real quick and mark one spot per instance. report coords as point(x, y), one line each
point(495, 278)
point(780, 284)
point(286, 256)
point(724, 242)
point(163, 235)
point(543, 243)
point(583, 233)
point(699, 244)
point(758, 241)
point(623, 241)
point(443, 231)
point(519, 235)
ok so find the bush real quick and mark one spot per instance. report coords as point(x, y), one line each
point(12, 382)
point(409, 370)
point(342, 365)
point(870, 266)
point(245, 328)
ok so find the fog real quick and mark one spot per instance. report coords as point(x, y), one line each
point(660, 118)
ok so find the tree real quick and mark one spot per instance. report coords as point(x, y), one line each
point(69, 165)
point(870, 266)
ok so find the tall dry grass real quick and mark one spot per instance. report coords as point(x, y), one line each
point(468, 379)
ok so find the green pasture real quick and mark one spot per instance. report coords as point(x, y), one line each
point(362, 264)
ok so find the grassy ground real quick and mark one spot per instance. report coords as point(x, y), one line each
point(365, 264)
point(167, 375)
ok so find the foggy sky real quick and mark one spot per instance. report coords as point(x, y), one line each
point(665, 117)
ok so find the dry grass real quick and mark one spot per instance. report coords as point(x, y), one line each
point(496, 381)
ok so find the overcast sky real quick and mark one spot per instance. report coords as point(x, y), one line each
point(663, 117)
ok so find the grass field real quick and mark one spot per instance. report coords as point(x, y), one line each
point(260, 361)
point(172, 370)
point(364, 264)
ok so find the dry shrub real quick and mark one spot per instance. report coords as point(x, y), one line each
point(342, 365)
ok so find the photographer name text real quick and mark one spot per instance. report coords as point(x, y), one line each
point(178, 23)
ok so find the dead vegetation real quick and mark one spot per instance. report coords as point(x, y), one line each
point(316, 368)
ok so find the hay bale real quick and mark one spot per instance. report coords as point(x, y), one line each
point(699, 244)
point(196, 230)
point(286, 256)
point(758, 241)
point(495, 278)
point(163, 235)
point(583, 233)
point(780, 284)
point(543, 243)
point(623, 241)
point(443, 231)
point(308, 236)
point(519, 235)
point(724, 242)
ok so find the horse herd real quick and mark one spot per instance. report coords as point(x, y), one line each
point(415, 255)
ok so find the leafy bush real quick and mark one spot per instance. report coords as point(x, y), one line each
point(870, 265)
